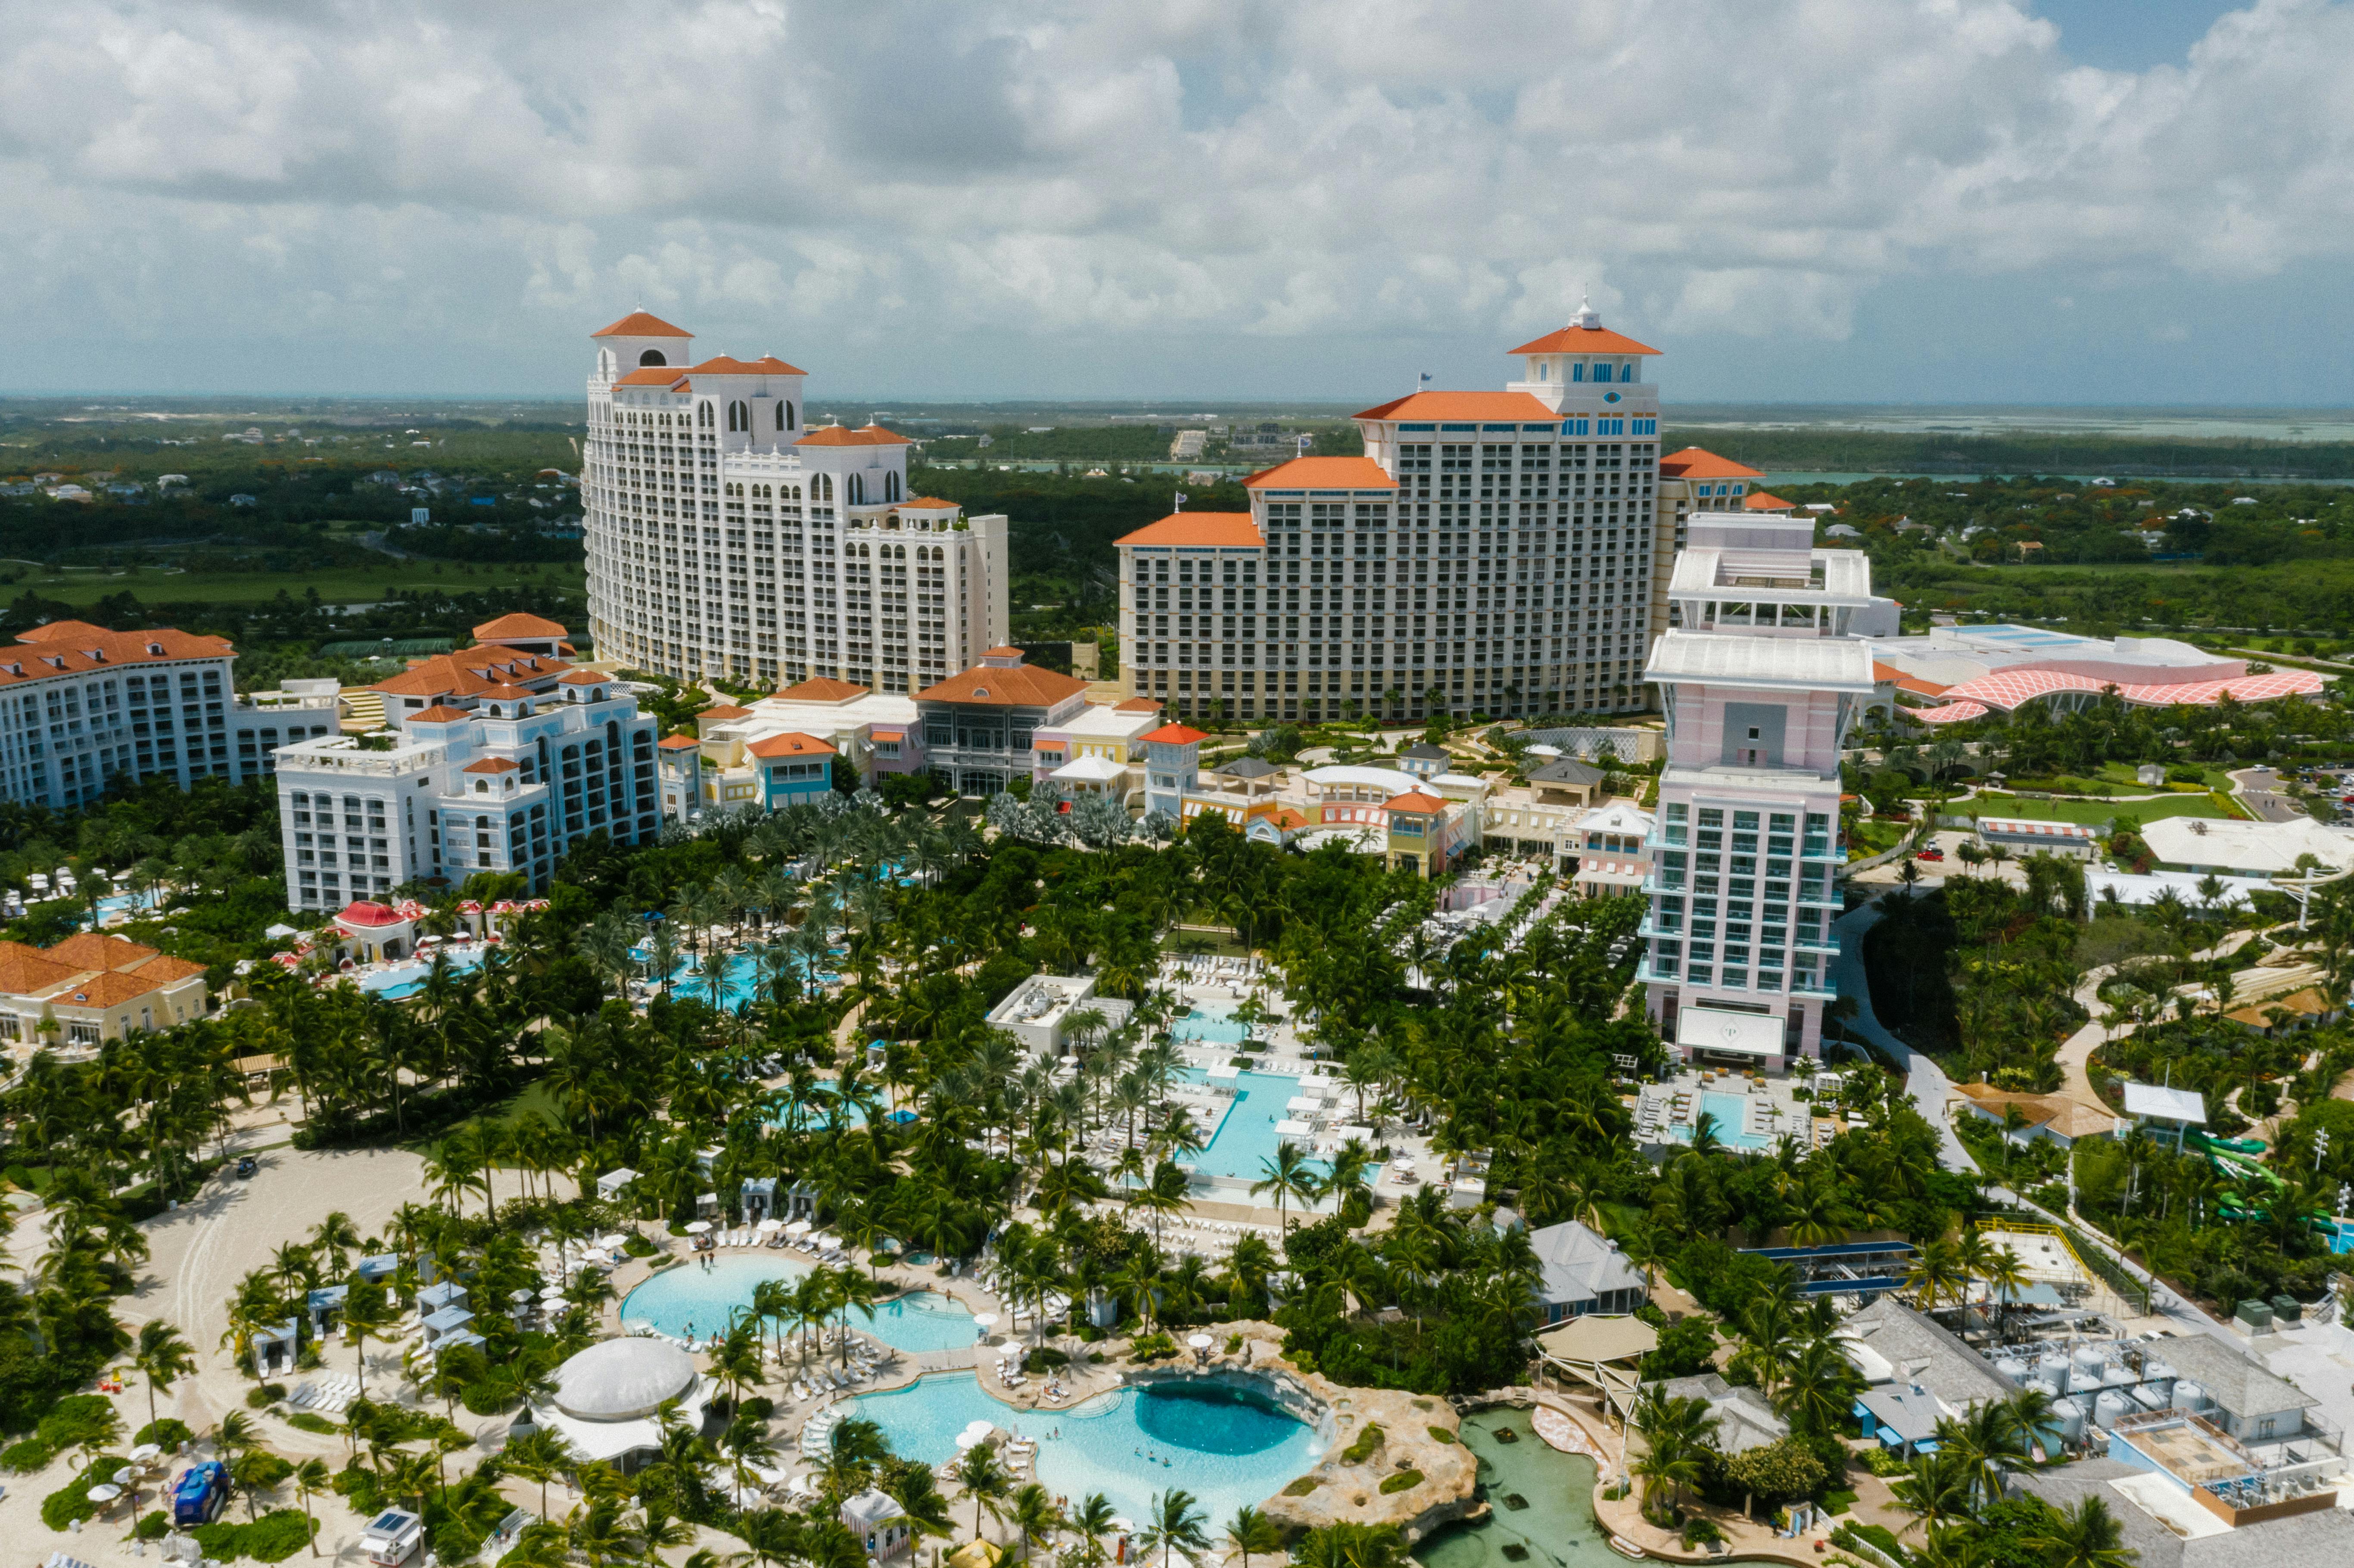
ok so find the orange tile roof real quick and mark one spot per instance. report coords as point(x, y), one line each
point(365, 912)
point(639, 323)
point(493, 765)
point(90, 950)
point(476, 672)
point(22, 976)
point(1174, 734)
point(164, 969)
point(1022, 686)
point(509, 692)
point(677, 742)
point(76, 648)
point(1323, 473)
point(767, 365)
point(105, 990)
point(1288, 819)
point(1699, 462)
point(864, 435)
point(439, 713)
point(582, 678)
point(1229, 529)
point(1764, 501)
point(1414, 800)
point(1583, 340)
point(724, 710)
point(792, 743)
point(652, 375)
point(926, 503)
point(1889, 674)
point(1136, 705)
point(823, 689)
point(1514, 406)
point(518, 624)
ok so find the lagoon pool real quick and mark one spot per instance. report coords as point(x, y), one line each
point(1226, 1448)
point(739, 987)
point(691, 1299)
point(1540, 1502)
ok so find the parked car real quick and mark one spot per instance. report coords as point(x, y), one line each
point(201, 1493)
point(1931, 853)
point(247, 1165)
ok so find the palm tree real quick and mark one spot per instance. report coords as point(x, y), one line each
point(1250, 1530)
point(984, 1480)
point(1288, 1176)
point(1091, 1521)
point(1035, 1514)
point(366, 1312)
point(1675, 1438)
point(1937, 1490)
point(163, 1357)
point(1173, 1522)
point(310, 1478)
point(539, 1454)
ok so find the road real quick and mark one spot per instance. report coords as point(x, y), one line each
point(1923, 1080)
point(2259, 790)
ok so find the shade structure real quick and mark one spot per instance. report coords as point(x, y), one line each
point(1293, 1129)
point(1303, 1103)
point(770, 1224)
point(552, 1293)
point(985, 1319)
point(103, 1493)
point(1316, 1081)
point(521, 1294)
point(146, 1453)
point(1198, 1341)
point(125, 1476)
point(798, 1228)
point(1225, 1070)
point(978, 1428)
point(967, 1439)
point(697, 1227)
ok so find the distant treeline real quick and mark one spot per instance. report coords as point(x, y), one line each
point(1884, 451)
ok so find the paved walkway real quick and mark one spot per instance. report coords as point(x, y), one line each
point(1923, 1080)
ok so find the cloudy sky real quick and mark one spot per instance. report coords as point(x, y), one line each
point(2063, 201)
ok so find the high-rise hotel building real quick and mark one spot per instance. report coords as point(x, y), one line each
point(1762, 677)
point(728, 536)
point(1491, 552)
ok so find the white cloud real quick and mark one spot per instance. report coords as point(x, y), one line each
point(1295, 173)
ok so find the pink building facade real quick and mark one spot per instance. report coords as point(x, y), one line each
point(1762, 681)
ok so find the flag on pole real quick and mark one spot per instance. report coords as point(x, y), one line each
point(1181, 501)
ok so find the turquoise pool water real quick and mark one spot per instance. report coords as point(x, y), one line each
point(1228, 1449)
point(408, 979)
point(1542, 1502)
point(1730, 1112)
point(691, 1299)
point(1209, 1027)
point(739, 986)
point(1246, 1135)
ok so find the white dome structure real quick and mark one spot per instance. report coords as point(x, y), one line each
point(623, 1380)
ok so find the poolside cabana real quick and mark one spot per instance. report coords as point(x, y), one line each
point(1602, 1352)
point(609, 1185)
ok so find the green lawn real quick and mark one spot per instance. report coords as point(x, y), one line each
point(337, 585)
point(2093, 813)
point(534, 1098)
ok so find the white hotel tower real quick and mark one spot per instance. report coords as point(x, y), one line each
point(1762, 678)
point(726, 536)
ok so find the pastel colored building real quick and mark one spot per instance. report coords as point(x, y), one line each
point(1490, 551)
point(91, 988)
point(782, 769)
point(1761, 682)
point(1173, 767)
point(980, 727)
point(727, 535)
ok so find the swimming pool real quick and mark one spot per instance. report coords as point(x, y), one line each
point(1226, 1447)
point(404, 980)
point(742, 982)
point(1730, 1113)
point(1245, 1134)
point(1205, 1027)
point(1541, 1503)
point(691, 1299)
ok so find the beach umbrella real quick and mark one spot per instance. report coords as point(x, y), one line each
point(146, 1453)
point(696, 1227)
point(103, 1494)
point(798, 1228)
point(1198, 1341)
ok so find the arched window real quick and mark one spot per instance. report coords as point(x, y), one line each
point(781, 409)
point(890, 487)
point(651, 356)
point(858, 490)
point(703, 415)
point(739, 417)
